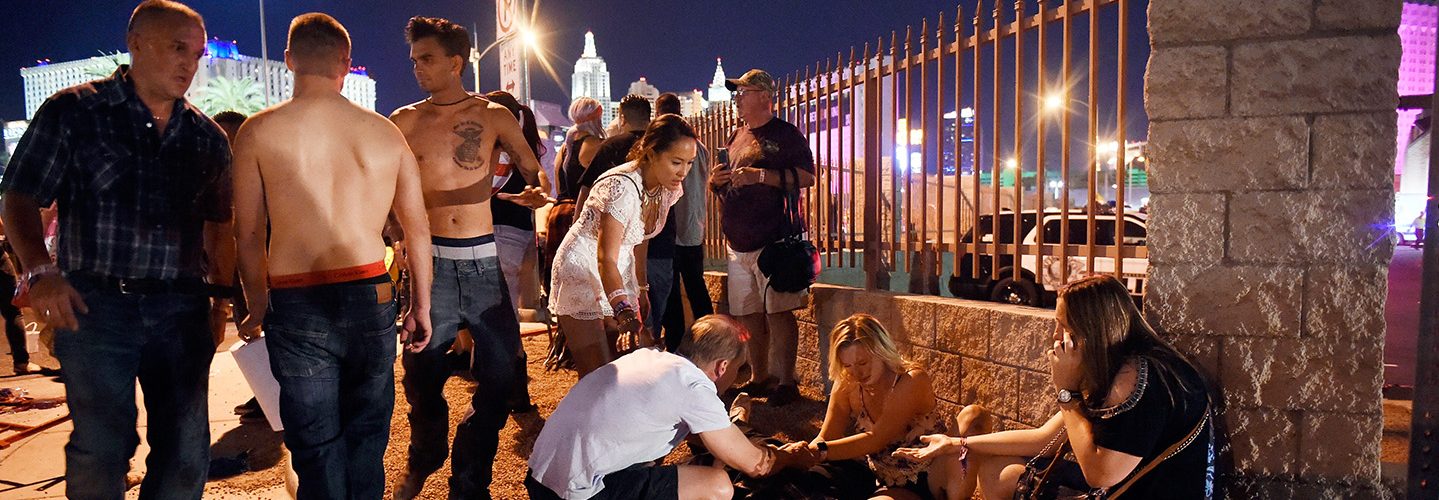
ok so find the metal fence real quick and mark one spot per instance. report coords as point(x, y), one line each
point(925, 144)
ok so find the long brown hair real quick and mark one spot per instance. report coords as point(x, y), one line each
point(1109, 330)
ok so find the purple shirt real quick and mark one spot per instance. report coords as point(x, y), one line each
point(753, 216)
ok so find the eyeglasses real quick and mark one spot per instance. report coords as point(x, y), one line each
point(742, 92)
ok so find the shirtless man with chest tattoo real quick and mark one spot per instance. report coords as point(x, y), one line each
point(457, 138)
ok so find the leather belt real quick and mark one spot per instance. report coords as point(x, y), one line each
point(151, 286)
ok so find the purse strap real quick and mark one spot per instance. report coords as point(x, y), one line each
point(791, 201)
point(1173, 450)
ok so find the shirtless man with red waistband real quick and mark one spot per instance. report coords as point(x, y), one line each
point(457, 138)
point(325, 174)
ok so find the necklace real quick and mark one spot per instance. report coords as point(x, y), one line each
point(651, 196)
point(431, 100)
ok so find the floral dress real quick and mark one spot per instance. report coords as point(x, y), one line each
point(575, 288)
point(889, 469)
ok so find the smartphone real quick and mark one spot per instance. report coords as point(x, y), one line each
point(722, 156)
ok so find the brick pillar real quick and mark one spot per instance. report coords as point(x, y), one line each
point(1272, 147)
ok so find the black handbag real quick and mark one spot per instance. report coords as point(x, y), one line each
point(791, 264)
point(1033, 485)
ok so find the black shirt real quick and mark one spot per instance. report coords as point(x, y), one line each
point(508, 213)
point(132, 202)
point(613, 153)
point(1159, 413)
point(753, 216)
point(571, 170)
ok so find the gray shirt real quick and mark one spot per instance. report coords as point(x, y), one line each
point(690, 209)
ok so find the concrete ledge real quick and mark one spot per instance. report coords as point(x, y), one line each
point(977, 352)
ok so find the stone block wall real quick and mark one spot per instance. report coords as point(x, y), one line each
point(1271, 149)
point(976, 352)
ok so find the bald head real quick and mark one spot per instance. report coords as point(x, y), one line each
point(161, 13)
point(318, 45)
point(166, 41)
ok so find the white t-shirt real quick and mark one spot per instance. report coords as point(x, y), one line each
point(634, 410)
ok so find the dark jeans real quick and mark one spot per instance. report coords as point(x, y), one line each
point(690, 273)
point(14, 333)
point(470, 293)
point(332, 348)
point(164, 341)
point(661, 277)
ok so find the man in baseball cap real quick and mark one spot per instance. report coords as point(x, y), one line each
point(770, 162)
point(756, 78)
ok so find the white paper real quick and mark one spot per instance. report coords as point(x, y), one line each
point(254, 362)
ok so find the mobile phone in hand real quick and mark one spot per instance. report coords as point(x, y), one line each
point(722, 156)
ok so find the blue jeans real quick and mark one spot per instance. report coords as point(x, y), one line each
point(468, 293)
point(332, 348)
point(164, 341)
point(660, 273)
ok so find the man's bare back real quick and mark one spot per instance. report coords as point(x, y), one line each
point(456, 147)
point(329, 171)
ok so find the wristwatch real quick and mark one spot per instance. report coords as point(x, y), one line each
point(1067, 396)
point(823, 448)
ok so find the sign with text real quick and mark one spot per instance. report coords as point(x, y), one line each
point(509, 18)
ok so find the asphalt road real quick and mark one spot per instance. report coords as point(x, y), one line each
point(1401, 314)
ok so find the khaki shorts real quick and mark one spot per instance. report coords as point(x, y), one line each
point(749, 292)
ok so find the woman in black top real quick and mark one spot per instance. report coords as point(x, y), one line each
point(1126, 399)
point(581, 145)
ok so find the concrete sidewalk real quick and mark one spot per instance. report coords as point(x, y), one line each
point(34, 467)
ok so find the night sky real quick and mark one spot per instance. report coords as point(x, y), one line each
point(672, 44)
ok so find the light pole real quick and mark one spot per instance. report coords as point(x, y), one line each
point(526, 35)
point(264, 56)
point(477, 54)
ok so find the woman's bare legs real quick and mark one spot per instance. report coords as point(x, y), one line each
point(587, 342)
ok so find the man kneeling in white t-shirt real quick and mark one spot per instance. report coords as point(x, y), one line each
point(603, 438)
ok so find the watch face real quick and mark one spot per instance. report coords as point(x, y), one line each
point(1065, 396)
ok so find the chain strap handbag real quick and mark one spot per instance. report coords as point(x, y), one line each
point(1033, 484)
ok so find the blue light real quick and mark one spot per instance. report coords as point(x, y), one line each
point(221, 49)
point(359, 70)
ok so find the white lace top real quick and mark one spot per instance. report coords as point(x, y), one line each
point(575, 288)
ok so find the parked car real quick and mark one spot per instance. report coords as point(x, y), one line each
point(964, 283)
point(1027, 290)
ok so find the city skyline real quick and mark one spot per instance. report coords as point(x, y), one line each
point(638, 39)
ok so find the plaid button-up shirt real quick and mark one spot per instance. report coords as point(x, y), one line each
point(132, 202)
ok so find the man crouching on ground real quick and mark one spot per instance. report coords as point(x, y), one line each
point(602, 440)
point(325, 174)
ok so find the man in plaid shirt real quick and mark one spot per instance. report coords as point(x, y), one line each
point(141, 179)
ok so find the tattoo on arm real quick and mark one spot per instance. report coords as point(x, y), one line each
point(467, 154)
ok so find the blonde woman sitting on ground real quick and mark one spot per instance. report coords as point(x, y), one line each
point(880, 403)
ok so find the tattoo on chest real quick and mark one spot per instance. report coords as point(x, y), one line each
point(467, 154)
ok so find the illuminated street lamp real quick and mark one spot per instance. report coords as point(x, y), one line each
point(525, 34)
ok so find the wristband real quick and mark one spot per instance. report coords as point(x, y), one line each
point(618, 292)
point(622, 306)
point(39, 271)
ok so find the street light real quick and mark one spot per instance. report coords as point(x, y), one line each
point(1053, 102)
point(530, 37)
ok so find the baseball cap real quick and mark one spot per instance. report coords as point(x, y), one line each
point(754, 78)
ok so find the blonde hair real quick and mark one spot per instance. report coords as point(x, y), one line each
point(865, 331)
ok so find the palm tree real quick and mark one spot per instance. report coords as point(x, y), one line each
point(110, 61)
point(227, 94)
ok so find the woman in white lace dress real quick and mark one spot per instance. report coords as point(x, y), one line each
point(596, 274)
point(881, 403)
